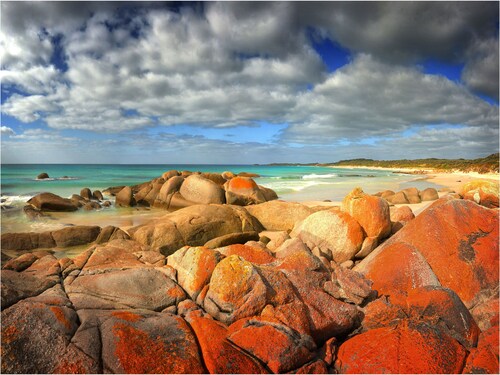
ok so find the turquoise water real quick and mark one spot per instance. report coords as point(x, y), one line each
point(294, 183)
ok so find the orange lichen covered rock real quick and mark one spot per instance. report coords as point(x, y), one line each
point(483, 192)
point(279, 215)
point(219, 356)
point(402, 213)
point(442, 308)
point(407, 348)
point(382, 313)
point(236, 290)
point(371, 212)
point(484, 358)
point(194, 266)
point(458, 240)
point(243, 191)
point(157, 343)
point(249, 253)
point(278, 346)
point(337, 235)
point(397, 269)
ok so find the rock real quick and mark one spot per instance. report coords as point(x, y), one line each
point(243, 191)
point(484, 358)
point(347, 264)
point(248, 174)
point(114, 190)
point(49, 350)
point(135, 342)
point(214, 177)
point(443, 309)
point(429, 194)
point(17, 286)
point(106, 204)
point(20, 263)
point(402, 213)
point(32, 213)
point(110, 233)
point(269, 194)
point(369, 244)
point(382, 314)
point(86, 194)
point(486, 313)
point(219, 356)
point(42, 176)
point(198, 189)
point(227, 175)
point(194, 226)
point(125, 198)
point(336, 234)
point(77, 235)
point(89, 206)
point(231, 239)
point(194, 266)
point(27, 241)
point(397, 269)
point(141, 288)
point(279, 215)
point(483, 192)
point(315, 367)
point(248, 253)
point(384, 194)
point(279, 347)
point(412, 194)
point(408, 348)
point(466, 262)
point(371, 212)
point(236, 290)
point(78, 200)
point(347, 285)
point(97, 195)
point(51, 202)
point(169, 174)
point(277, 239)
point(398, 198)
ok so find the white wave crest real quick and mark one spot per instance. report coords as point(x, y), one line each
point(315, 176)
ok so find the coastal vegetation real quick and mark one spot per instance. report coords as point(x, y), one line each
point(488, 164)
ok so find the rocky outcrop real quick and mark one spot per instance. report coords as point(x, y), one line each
point(243, 191)
point(86, 193)
point(198, 189)
point(336, 235)
point(483, 192)
point(51, 202)
point(279, 215)
point(42, 176)
point(125, 198)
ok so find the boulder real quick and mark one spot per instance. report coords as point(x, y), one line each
point(484, 358)
point(97, 195)
point(369, 244)
point(77, 235)
point(454, 239)
point(20, 263)
point(279, 215)
point(219, 355)
point(51, 202)
point(214, 177)
point(231, 239)
point(398, 198)
point(27, 241)
point(201, 190)
point(337, 235)
point(371, 212)
point(194, 266)
point(138, 342)
point(125, 198)
point(269, 194)
point(429, 194)
point(483, 192)
point(243, 191)
point(412, 194)
point(194, 226)
point(32, 213)
point(249, 253)
point(113, 190)
point(236, 290)
point(402, 214)
point(42, 176)
point(141, 288)
point(86, 194)
point(169, 174)
point(278, 346)
point(78, 200)
point(89, 206)
point(110, 233)
point(227, 175)
point(164, 196)
point(408, 348)
point(247, 174)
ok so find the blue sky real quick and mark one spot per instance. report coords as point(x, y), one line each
point(236, 82)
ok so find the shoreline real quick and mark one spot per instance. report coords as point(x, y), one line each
point(452, 179)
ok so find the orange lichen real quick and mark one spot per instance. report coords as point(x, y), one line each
point(242, 183)
point(175, 292)
point(249, 253)
point(59, 314)
point(9, 334)
point(73, 367)
point(126, 315)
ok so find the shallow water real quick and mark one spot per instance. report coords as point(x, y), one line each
point(293, 183)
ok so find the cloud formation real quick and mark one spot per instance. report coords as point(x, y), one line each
point(121, 67)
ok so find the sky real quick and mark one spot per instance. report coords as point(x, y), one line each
point(247, 82)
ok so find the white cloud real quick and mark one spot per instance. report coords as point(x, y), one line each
point(369, 98)
point(6, 131)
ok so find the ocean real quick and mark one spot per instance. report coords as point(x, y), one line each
point(293, 183)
